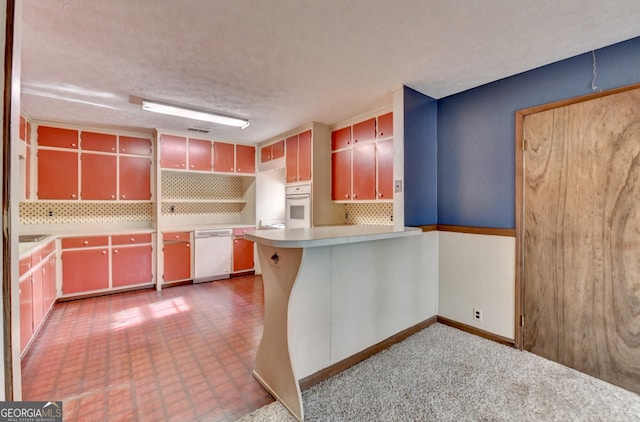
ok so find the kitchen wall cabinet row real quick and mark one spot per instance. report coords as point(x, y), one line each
point(297, 152)
point(362, 161)
point(183, 153)
point(37, 290)
point(82, 165)
point(103, 263)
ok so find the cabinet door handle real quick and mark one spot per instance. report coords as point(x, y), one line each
point(346, 196)
point(177, 236)
point(86, 242)
point(115, 251)
point(235, 241)
point(188, 245)
point(73, 144)
point(113, 148)
point(380, 195)
point(123, 196)
point(133, 239)
point(104, 252)
point(122, 149)
point(73, 195)
point(113, 197)
point(355, 196)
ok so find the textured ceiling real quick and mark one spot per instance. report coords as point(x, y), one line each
point(284, 63)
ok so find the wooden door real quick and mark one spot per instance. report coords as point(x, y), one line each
point(99, 176)
point(91, 141)
point(200, 155)
point(242, 254)
point(277, 150)
point(173, 152)
point(291, 159)
point(57, 137)
point(341, 138)
point(364, 131)
point(384, 157)
point(223, 157)
point(57, 174)
point(245, 159)
point(581, 272)
point(385, 125)
point(364, 171)
point(135, 178)
point(341, 175)
point(266, 153)
point(85, 270)
point(27, 174)
point(177, 261)
point(304, 156)
point(37, 292)
point(26, 312)
point(136, 146)
point(131, 265)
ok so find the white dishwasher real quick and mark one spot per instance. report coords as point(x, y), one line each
point(212, 253)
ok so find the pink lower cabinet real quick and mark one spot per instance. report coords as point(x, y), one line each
point(26, 312)
point(85, 270)
point(242, 251)
point(177, 257)
point(94, 263)
point(131, 260)
point(37, 290)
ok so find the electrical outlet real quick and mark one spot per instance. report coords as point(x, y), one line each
point(397, 186)
point(477, 314)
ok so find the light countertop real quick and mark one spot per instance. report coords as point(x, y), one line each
point(327, 235)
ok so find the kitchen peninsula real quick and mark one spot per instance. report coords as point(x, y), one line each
point(335, 295)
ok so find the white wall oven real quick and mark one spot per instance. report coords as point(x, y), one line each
point(298, 206)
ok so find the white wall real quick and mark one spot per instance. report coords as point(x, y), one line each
point(270, 195)
point(350, 297)
point(477, 271)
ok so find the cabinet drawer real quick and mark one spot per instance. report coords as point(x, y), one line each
point(84, 242)
point(25, 265)
point(130, 239)
point(176, 236)
point(57, 137)
point(241, 231)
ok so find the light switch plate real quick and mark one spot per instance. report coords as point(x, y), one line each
point(398, 186)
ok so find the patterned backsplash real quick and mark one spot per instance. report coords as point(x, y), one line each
point(370, 213)
point(84, 212)
point(200, 186)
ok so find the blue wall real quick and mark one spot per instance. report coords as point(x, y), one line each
point(476, 137)
point(420, 159)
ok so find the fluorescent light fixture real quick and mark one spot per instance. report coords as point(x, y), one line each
point(193, 114)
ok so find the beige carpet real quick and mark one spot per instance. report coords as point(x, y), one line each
point(444, 374)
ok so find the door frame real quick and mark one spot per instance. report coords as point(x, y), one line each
point(519, 190)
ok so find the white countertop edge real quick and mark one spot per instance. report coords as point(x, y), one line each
point(327, 235)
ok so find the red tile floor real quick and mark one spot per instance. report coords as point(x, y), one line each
point(183, 354)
